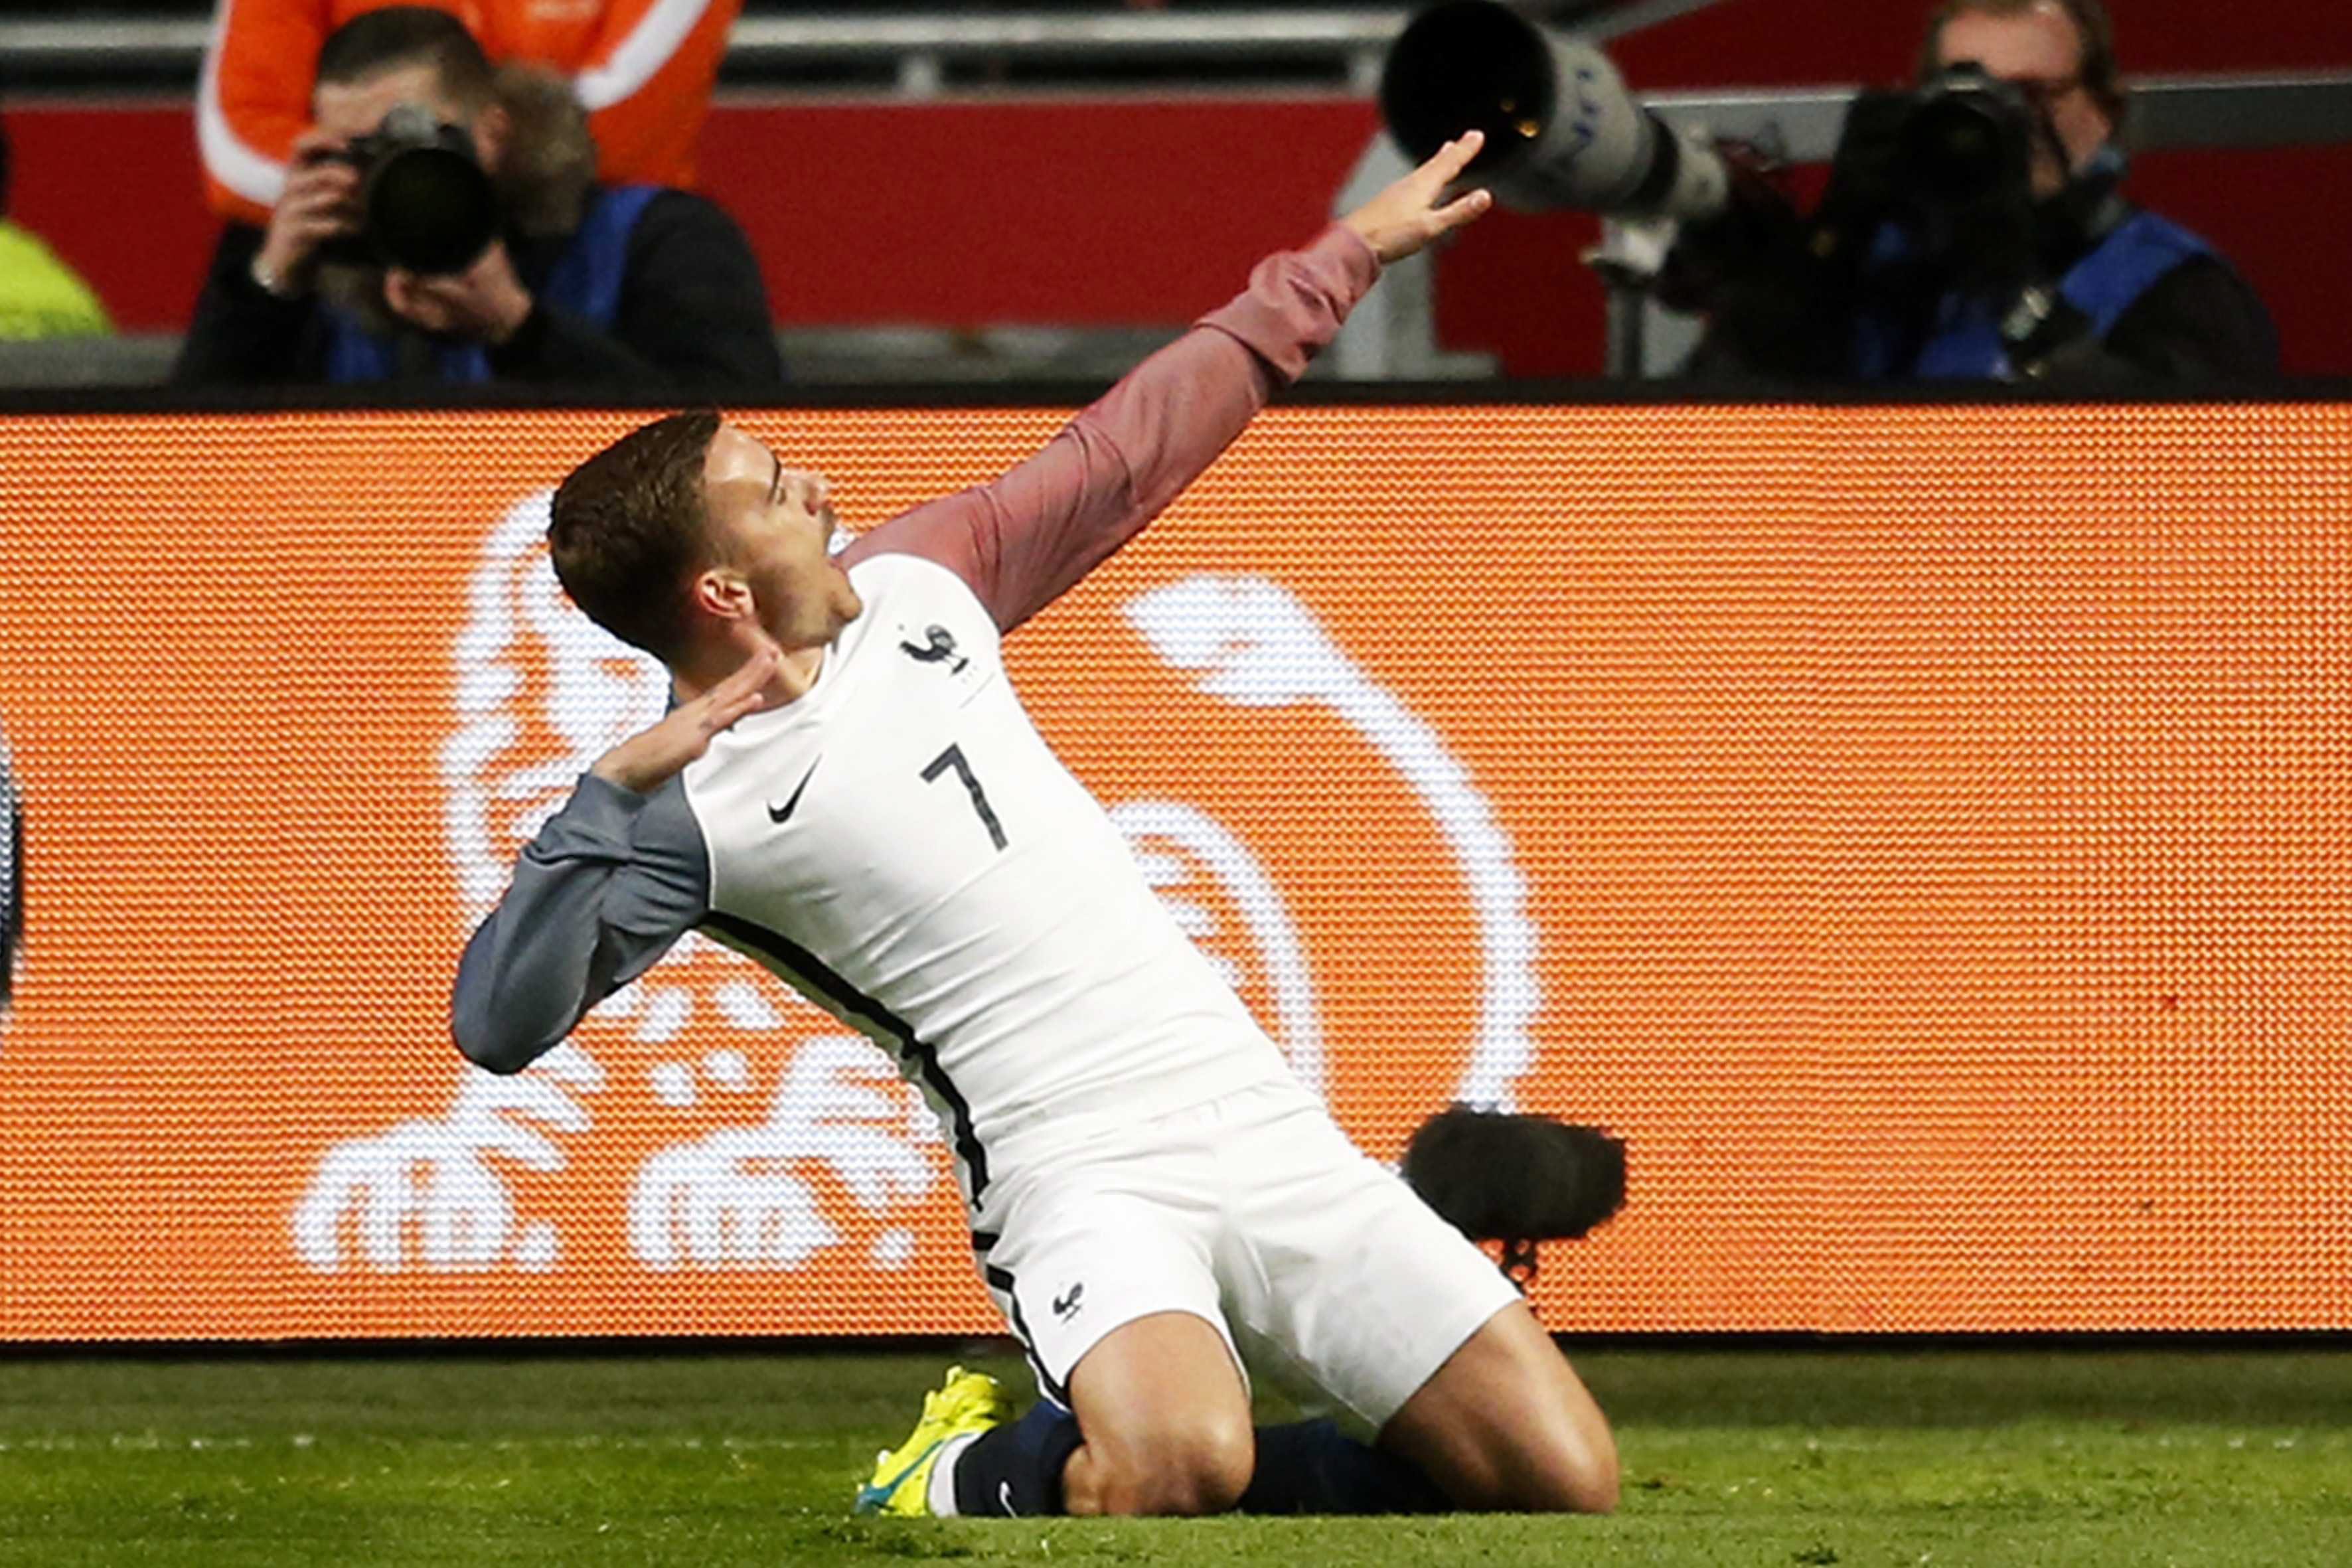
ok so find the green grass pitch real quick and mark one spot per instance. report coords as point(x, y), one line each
point(2060, 1457)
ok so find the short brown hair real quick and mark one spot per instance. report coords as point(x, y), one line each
point(401, 36)
point(2101, 76)
point(628, 527)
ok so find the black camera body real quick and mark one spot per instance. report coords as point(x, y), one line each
point(426, 202)
point(1966, 136)
point(1930, 194)
point(1959, 140)
point(1949, 163)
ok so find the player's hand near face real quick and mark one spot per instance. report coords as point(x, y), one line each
point(651, 758)
point(1412, 212)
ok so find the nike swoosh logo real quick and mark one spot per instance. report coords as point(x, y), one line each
point(779, 813)
point(881, 1489)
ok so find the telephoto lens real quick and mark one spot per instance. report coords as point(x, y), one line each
point(1562, 130)
point(1967, 137)
point(426, 203)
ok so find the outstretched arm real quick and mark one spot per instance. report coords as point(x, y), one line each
point(610, 883)
point(1024, 540)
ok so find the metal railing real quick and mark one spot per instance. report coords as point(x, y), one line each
point(2168, 114)
point(919, 50)
point(1393, 334)
point(916, 53)
point(913, 49)
point(2284, 110)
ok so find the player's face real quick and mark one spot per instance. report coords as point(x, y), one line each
point(2039, 51)
point(772, 526)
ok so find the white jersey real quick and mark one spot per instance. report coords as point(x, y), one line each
point(897, 842)
point(902, 846)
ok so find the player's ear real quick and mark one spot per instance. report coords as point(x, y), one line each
point(722, 594)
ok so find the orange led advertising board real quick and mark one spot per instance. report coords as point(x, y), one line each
point(1925, 833)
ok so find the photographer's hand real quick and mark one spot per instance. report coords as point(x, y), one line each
point(320, 202)
point(1407, 216)
point(486, 303)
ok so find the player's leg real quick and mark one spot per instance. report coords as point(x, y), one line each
point(1138, 1461)
point(1303, 1468)
point(1314, 1467)
point(1158, 1423)
point(1387, 1308)
point(1506, 1424)
point(1164, 1419)
point(918, 1477)
point(1144, 1406)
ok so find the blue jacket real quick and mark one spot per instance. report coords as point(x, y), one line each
point(587, 281)
point(1965, 341)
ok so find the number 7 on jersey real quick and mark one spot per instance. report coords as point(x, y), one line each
point(953, 758)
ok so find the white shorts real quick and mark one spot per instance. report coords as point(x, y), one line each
point(1254, 1213)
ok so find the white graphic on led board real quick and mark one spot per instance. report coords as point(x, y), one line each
point(541, 691)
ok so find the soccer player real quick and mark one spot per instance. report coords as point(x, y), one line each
point(849, 792)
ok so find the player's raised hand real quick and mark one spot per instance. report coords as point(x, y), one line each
point(651, 758)
point(1412, 212)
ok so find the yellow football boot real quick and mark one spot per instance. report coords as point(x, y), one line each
point(968, 1402)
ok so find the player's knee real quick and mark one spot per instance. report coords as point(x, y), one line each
point(1556, 1465)
point(1576, 1472)
point(1200, 1465)
point(1214, 1471)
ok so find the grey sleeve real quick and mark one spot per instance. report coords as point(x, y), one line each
point(609, 884)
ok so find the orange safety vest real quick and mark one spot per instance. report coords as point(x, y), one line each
point(644, 68)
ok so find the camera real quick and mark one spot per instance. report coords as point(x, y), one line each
point(426, 202)
point(1949, 164)
point(1959, 139)
point(1561, 130)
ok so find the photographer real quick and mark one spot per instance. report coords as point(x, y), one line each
point(443, 223)
point(642, 69)
point(1974, 229)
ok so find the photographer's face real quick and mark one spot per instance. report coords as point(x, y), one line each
point(2039, 51)
point(345, 109)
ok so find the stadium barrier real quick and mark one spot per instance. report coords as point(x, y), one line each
point(1920, 831)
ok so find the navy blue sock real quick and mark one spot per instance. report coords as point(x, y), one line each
point(1311, 1467)
point(1016, 1468)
